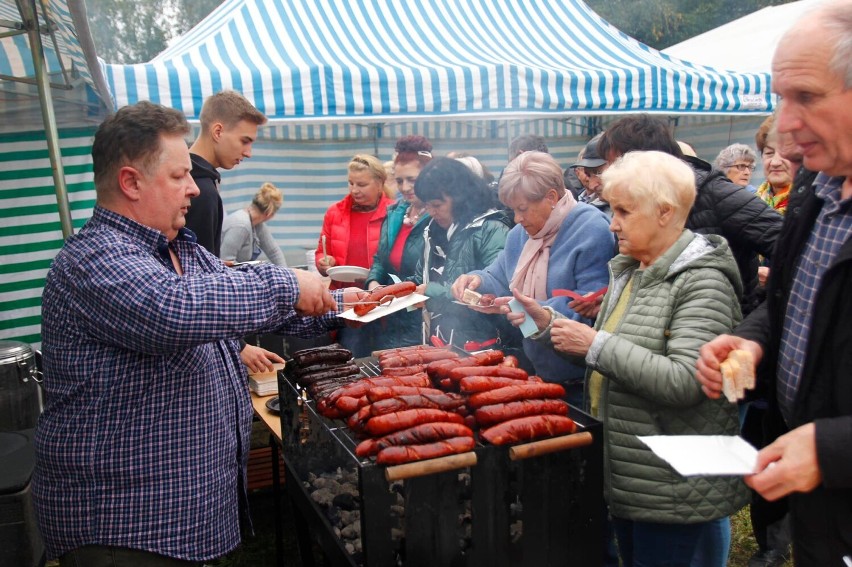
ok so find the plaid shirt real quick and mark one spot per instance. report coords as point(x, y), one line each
point(144, 439)
point(832, 228)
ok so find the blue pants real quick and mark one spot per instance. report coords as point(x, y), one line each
point(649, 544)
point(714, 545)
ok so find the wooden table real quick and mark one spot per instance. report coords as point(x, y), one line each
point(272, 421)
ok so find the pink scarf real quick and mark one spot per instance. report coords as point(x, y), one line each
point(530, 276)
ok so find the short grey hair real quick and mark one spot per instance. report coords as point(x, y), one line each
point(530, 176)
point(732, 154)
point(837, 19)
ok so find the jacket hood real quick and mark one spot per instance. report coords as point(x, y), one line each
point(202, 168)
point(690, 250)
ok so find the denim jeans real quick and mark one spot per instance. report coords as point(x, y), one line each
point(649, 544)
point(714, 545)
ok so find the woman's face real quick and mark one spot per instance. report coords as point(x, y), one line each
point(364, 188)
point(441, 210)
point(740, 172)
point(778, 171)
point(634, 225)
point(533, 214)
point(405, 175)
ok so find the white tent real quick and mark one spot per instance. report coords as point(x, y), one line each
point(745, 45)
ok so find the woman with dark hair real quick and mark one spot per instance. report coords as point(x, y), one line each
point(401, 244)
point(466, 233)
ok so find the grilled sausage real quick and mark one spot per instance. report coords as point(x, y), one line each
point(459, 372)
point(335, 371)
point(360, 388)
point(380, 354)
point(474, 384)
point(377, 393)
point(321, 355)
point(528, 429)
point(510, 360)
point(519, 391)
point(438, 369)
point(417, 357)
point(446, 402)
point(384, 424)
point(487, 358)
point(349, 404)
point(404, 370)
point(372, 301)
point(423, 433)
point(497, 413)
point(411, 453)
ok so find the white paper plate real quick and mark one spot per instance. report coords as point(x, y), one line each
point(348, 273)
point(382, 310)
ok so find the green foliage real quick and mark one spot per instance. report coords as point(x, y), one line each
point(135, 31)
point(661, 23)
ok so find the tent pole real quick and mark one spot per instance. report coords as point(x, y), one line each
point(29, 17)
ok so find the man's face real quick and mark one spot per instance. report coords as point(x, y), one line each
point(233, 145)
point(595, 185)
point(814, 105)
point(165, 189)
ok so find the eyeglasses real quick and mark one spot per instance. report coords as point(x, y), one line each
point(743, 166)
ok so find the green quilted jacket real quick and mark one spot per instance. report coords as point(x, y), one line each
point(686, 298)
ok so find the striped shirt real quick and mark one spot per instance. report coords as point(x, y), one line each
point(144, 439)
point(832, 228)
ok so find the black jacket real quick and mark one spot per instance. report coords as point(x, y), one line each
point(748, 224)
point(206, 212)
point(825, 390)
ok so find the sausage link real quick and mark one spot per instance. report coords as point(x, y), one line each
point(497, 413)
point(411, 453)
point(384, 424)
point(520, 391)
point(528, 429)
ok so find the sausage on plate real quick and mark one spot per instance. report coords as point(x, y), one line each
point(393, 290)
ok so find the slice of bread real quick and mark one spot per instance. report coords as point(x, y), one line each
point(471, 297)
point(737, 374)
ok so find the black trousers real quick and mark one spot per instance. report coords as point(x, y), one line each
point(107, 556)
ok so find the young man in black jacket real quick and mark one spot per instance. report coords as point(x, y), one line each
point(801, 335)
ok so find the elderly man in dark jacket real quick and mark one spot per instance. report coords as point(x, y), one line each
point(801, 335)
point(721, 207)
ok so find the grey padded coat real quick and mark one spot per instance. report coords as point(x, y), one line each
point(687, 297)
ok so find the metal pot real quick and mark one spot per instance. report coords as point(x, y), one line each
point(20, 402)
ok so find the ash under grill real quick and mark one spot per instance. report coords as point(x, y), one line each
point(540, 511)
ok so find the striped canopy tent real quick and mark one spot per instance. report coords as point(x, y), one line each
point(49, 102)
point(339, 61)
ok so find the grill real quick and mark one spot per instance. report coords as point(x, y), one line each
point(539, 511)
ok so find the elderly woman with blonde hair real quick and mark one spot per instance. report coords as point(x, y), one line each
point(670, 292)
point(245, 234)
point(557, 244)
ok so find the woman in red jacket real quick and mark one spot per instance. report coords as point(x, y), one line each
point(352, 226)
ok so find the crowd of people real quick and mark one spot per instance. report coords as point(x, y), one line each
point(639, 268)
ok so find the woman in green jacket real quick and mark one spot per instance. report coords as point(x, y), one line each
point(401, 245)
point(466, 233)
point(670, 292)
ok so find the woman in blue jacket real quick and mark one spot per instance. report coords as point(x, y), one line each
point(557, 244)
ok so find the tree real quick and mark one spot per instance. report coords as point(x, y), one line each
point(135, 31)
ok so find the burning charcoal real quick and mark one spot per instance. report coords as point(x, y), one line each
point(345, 501)
point(312, 478)
point(333, 516)
point(337, 532)
point(396, 510)
point(350, 549)
point(516, 509)
point(347, 517)
point(329, 483)
point(349, 488)
point(351, 531)
point(358, 546)
point(397, 534)
point(323, 496)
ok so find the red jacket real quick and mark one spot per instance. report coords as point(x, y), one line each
point(335, 227)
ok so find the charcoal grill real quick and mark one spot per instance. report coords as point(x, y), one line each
point(449, 519)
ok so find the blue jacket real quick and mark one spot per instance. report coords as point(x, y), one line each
point(578, 261)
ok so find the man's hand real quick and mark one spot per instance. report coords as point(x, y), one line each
point(314, 298)
point(259, 359)
point(572, 337)
point(787, 465)
point(712, 354)
point(465, 281)
point(325, 263)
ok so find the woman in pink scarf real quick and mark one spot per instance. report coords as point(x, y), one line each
point(558, 244)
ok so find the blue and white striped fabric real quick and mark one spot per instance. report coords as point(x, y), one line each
point(350, 60)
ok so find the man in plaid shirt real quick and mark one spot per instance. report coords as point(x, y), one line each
point(143, 443)
point(801, 335)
